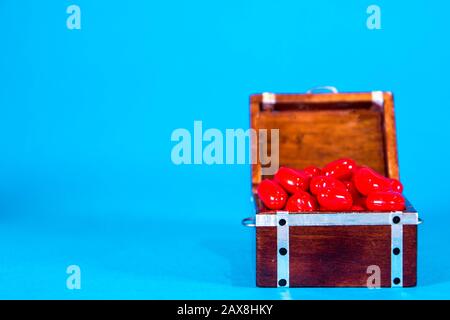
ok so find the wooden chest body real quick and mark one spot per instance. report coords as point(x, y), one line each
point(328, 249)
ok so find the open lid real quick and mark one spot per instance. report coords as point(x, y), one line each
point(315, 129)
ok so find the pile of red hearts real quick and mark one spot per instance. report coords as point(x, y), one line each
point(341, 185)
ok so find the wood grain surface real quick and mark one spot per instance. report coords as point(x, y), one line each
point(334, 256)
point(316, 129)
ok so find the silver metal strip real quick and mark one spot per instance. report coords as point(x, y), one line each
point(396, 251)
point(266, 220)
point(378, 98)
point(338, 219)
point(282, 249)
point(269, 98)
point(325, 89)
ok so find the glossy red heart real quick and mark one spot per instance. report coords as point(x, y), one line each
point(385, 201)
point(321, 182)
point(367, 180)
point(313, 171)
point(335, 199)
point(341, 169)
point(301, 201)
point(272, 194)
point(292, 180)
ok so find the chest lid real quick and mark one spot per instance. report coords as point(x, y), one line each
point(314, 129)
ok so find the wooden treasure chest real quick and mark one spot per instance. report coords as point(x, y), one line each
point(331, 249)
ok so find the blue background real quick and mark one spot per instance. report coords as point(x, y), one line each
point(86, 118)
